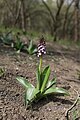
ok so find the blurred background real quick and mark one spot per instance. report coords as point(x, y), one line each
point(59, 19)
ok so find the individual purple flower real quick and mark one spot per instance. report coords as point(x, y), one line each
point(41, 47)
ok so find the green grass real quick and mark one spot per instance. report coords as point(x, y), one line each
point(49, 38)
point(5, 30)
point(69, 43)
point(31, 34)
point(34, 34)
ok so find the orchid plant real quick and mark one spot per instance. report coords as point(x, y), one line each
point(44, 86)
point(19, 45)
point(6, 38)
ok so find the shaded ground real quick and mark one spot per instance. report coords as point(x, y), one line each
point(64, 63)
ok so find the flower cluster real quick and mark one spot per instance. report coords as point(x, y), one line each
point(41, 47)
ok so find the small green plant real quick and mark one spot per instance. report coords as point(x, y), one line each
point(6, 38)
point(31, 49)
point(74, 115)
point(43, 87)
point(19, 45)
point(78, 75)
point(1, 72)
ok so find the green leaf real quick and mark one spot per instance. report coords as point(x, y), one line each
point(31, 48)
point(40, 77)
point(44, 72)
point(7, 38)
point(51, 83)
point(1, 72)
point(24, 82)
point(30, 45)
point(31, 94)
point(45, 78)
point(56, 90)
point(26, 99)
point(19, 44)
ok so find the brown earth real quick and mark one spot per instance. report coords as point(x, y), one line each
point(64, 63)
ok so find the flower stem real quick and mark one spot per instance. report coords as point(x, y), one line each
point(40, 64)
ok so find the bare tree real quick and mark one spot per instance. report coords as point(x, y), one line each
point(56, 17)
point(59, 6)
point(23, 15)
point(66, 16)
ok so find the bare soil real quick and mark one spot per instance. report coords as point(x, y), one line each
point(64, 63)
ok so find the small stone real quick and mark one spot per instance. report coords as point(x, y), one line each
point(49, 109)
point(17, 68)
point(1, 118)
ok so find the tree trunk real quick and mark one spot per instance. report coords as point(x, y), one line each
point(56, 26)
point(76, 20)
point(65, 20)
point(23, 16)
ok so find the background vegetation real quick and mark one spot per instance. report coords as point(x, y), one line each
point(59, 18)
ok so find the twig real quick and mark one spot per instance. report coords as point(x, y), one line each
point(74, 104)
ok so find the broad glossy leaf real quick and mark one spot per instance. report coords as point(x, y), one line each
point(7, 38)
point(24, 82)
point(31, 94)
point(45, 70)
point(26, 99)
point(56, 90)
point(27, 50)
point(42, 76)
point(45, 74)
point(30, 45)
point(51, 83)
point(33, 50)
point(1, 72)
point(19, 44)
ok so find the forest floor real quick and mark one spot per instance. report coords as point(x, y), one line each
point(64, 63)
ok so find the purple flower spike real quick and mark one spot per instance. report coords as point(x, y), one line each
point(41, 47)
